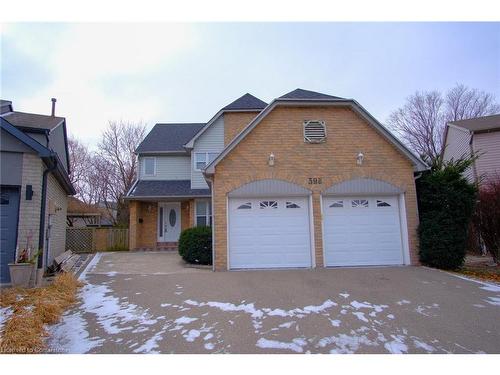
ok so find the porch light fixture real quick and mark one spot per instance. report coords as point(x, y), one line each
point(271, 160)
point(359, 158)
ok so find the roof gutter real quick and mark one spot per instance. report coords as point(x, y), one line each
point(43, 204)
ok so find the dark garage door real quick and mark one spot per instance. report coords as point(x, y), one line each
point(9, 211)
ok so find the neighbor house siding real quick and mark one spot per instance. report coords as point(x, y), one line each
point(458, 146)
point(212, 140)
point(334, 161)
point(168, 168)
point(56, 209)
point(11, 168)
point(488, 146)
point(29, 210)
point(56, 139)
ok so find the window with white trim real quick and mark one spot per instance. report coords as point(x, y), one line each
point(149, 166)
point(291, 205)
point(359, 203)
point(202, 159)
point(314, 131)
point(203, 213)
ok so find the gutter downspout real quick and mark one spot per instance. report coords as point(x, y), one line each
point(41, 234)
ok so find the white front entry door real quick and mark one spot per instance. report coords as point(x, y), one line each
point(362, 231)
point(269, 233)
point(169, 222)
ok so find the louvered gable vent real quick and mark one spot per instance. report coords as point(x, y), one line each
point(314, 131)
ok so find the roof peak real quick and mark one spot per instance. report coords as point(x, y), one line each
point(245, 102)
point(307, 94)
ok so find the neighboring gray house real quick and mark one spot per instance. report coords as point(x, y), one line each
point(34, 183)
point(479, 135)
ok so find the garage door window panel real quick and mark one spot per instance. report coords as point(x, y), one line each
point(359, 203)
point(245, 206)
point(337, 204)
point(268, 204)
point(381, 203)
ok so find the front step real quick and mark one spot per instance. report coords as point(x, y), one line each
point(167, 246)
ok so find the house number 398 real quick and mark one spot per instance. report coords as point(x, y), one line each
point(315, 181)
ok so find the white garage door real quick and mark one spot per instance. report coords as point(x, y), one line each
point(269, 233)
point(362, 231)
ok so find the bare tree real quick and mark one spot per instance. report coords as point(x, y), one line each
point(421, 121)
point(117, 164)
point(82, 171)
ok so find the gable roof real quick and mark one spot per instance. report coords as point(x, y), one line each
point(32, 120)
point(245, 102)
point(419, 165)
point(169, 138)
point(479, 124)
point(307, 95)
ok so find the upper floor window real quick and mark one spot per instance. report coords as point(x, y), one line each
point(149, 166)
point(202, 159)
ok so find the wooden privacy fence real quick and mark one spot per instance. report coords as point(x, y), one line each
point(87, 240)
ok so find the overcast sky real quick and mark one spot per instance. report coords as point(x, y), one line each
point(187, 72)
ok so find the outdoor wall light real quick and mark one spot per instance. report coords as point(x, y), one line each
point(359, 158)
point(271, 160)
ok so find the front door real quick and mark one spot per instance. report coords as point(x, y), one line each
point(169, 222)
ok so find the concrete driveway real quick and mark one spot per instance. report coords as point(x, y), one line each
point(150, 303)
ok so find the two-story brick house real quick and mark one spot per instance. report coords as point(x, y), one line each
point(309, 180)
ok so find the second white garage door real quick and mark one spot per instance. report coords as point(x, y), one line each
point(269, 233)
point(361, 231)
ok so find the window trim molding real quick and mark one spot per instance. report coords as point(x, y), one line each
point(144, 166)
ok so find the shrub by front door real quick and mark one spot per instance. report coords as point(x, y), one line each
point(169, 222)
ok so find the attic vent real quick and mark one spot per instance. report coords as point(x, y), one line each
point(314, 131)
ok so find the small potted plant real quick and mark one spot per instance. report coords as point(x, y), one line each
point(22, 271)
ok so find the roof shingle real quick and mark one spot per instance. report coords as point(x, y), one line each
point(162, 188)
point(306, 94)
point(479, 123)
point(169, 137)
point(32, 120)
point(245, 102)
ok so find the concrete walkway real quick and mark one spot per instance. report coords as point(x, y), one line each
point(150, 303)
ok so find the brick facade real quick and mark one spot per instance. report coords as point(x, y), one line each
point(234, 122)
point(281, 133)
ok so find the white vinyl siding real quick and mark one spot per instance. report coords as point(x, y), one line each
point(168, 168)
point(487, 144)
point(458, 145)
point(212, 141)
